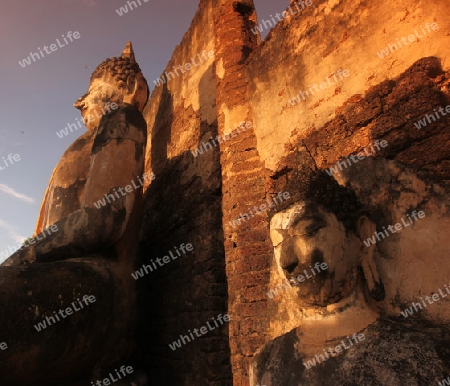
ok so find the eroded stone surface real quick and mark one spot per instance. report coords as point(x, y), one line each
point(391, 353)
point(250, 80)
point(195, 197)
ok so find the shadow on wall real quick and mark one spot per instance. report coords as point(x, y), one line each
point(183, 205)
point(410, 173)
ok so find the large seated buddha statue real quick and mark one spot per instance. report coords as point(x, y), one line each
point(93, 206)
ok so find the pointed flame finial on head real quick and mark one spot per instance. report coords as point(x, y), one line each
point(128, 52)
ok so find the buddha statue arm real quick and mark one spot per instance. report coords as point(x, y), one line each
point(116, 167)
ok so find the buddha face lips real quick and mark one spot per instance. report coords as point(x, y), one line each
point(309, 273)
point(297, 280)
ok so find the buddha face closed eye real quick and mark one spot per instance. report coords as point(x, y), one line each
point(304, 236)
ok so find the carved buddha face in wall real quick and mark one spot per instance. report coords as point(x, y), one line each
point(115, 80)
point(306, 235)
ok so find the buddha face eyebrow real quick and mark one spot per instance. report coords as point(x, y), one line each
point(313, 223)
point(302, 218)
point(311, 212)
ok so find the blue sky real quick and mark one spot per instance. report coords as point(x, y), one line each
point(36, 101)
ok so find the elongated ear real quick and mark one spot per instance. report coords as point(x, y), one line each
point(366, 229)
point(135, 91)
point(131, 89)
point(132, 84)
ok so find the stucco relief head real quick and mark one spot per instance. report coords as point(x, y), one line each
point(326, 226)
point(114, 80)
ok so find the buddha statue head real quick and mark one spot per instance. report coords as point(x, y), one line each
point(327, 225)
point(116, 80)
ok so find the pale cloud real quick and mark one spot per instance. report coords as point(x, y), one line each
point(11, 231)
point(10, 191)
point(16, 237)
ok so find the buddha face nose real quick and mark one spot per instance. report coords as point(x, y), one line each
point(79, 104)
point(289, 260)
point(293, 258)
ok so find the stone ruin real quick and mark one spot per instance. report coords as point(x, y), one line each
point(338, 109)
